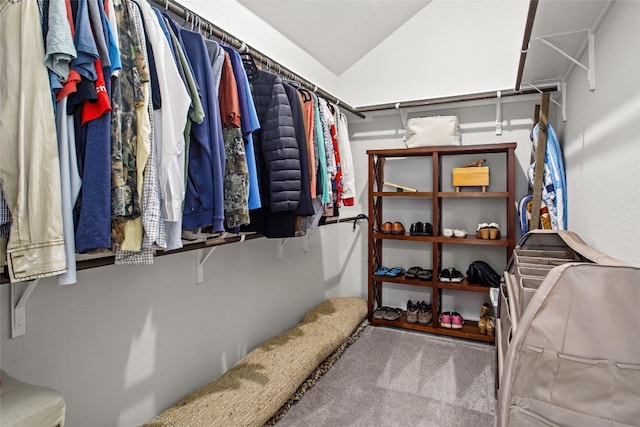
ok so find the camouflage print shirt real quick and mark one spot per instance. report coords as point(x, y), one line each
point(126, 94)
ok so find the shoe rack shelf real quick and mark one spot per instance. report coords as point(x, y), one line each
point(434, 156)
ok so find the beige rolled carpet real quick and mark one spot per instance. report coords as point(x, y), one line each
point(252, 391)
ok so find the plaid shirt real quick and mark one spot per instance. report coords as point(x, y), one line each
point(5, 216)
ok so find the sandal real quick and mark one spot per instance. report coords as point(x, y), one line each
point(395, 272)
point(494, 231)
point(482, 232)
point(393, 314)
point(426, 275)
point(413, 273)
point(381, 271)
point(380, 312)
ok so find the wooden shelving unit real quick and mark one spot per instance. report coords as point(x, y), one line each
point(434, 157)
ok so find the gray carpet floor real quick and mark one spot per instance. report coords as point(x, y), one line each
point(393, 377)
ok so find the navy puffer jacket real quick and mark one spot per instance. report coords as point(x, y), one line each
point(277, 152)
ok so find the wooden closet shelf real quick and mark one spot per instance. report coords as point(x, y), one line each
point(90, 261)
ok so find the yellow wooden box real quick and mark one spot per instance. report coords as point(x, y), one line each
point(471, 177)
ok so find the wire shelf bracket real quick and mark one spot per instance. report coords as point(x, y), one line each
point(590, 68)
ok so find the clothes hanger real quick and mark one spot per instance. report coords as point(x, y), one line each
point(187, 16)
point(306, 96)
point(250, 66)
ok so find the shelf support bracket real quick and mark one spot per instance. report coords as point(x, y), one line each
point(202, 255)
point(403, 118)
point(499, 112)
point(590, 68)
point(281, 247)
point(19, 308)
point(562, 88)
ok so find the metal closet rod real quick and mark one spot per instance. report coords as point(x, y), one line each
point(203, 24)
point(531, 16)
point(452, 99)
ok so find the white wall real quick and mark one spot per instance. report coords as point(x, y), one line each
point(126, 342)
point(601, 139)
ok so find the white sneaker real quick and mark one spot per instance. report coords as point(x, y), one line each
point(447, 232)
point(460, 232)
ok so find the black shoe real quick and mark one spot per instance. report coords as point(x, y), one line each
point(421, 229)
point(456, 276)
point(445, 275)
point(415, 229)
point(427, 229)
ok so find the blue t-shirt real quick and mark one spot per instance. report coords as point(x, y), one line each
point(249, 123)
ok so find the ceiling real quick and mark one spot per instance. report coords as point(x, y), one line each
point(336, 33)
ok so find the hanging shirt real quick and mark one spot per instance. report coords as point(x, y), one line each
point(126, 94)
point(204, 201)
point(323, 181)
point(5, 223)
point(86, 49)
point(133, 230)
point(325, 119)
point(346, 160)
point(169, 122)
point(60, 50)
point(93, 148)
point(216, 56)
point(99, 35)
point(70, 184)
point(236, 177)
point(248, 122)
point(112, 44)
point(114, 36)
point(337, 178)
point(308, 114)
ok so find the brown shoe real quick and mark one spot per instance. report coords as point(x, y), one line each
point(486, 309)
point(491, 322)
point(397, 228)
point(386, 228)
point(482, 325)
